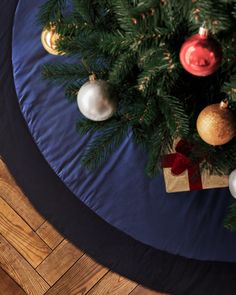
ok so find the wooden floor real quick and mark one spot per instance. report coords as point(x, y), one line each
point(35, 259)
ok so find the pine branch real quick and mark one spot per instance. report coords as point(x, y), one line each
point(85, 126)
point(170, 18)
point(144, 7)
point(230, 220)
point(64, 72)
point(156, 65)
point(230, 88)
point(86, 42)
point(122, 11)
point(215, 13)
point(234, 10)
point(82, 11)
point(72, 89)
point(150, 113)
point(177, 120)
point(100, 149)
point(145, 56)
point(75, 45)
point(67, 27)
point(223, 160)
point(140, 136)
point(51, 12)
point(122, 68)
point(160, 143)
point(113, 44)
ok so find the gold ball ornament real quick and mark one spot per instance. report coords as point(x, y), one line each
point(216, 124)
point(49, 37)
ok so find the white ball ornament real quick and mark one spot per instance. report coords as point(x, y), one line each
point(94, 102)
point(232, 183)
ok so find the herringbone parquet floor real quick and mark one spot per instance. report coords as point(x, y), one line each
point(35, 259)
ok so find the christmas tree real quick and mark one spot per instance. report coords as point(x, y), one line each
point(133, 47)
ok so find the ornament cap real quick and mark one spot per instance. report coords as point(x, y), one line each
point(203, 32)
point(134, 21)
point(224, 104)
point(92, 77)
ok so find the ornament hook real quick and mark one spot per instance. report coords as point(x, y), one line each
point(224, 104)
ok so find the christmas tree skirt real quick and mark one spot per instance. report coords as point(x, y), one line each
point(118, 215)
point(188, 224)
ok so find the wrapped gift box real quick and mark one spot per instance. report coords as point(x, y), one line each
point(182, 174)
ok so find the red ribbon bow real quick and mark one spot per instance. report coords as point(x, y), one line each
point(180, 161)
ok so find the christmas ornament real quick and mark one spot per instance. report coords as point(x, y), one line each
point(216, 124)
point(134, 21)
point(49, 39)
point(94, 100)
point(201, 55)
point(232, 183)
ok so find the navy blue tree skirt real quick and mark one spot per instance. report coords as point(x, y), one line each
point(169, 242)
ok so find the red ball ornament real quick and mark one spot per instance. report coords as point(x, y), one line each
point(201, 55)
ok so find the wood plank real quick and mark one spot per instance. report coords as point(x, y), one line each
point(49, 235)
point(5, 173)
point(21, 236)
point(8, 285)
point(80, 278)
point(113, 284)
point(20, 270)
point(139, 290)
point(58, 262)
point(12, 194)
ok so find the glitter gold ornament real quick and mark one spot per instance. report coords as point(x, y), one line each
point(216, 124)
point(94, 101)
point(49, 37)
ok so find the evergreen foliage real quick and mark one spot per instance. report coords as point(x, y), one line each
point(135, 44)
point(230, 220)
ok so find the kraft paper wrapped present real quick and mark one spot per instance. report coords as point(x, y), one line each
point(183, 174)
